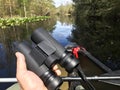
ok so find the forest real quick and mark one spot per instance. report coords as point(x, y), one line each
point(16, 12)
point(99, 9)
point(28, 8)
point(25, 8)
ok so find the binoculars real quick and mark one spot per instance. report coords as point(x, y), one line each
point(44, 54)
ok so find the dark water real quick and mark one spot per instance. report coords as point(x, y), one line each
point(102, 44)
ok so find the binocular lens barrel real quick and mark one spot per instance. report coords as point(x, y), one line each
point(65, 60)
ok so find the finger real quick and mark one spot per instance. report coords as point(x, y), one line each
point(58, 72)
point(55, 67)
point(21, 64)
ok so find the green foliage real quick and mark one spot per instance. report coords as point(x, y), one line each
point(19, 20)
point(101, 38)
point(65, 10)
point(26, 8)
point(98, 27)
point(98, 9)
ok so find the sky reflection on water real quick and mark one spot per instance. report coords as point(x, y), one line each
point(62, 32)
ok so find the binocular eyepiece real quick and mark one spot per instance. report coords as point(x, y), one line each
point(43, 55)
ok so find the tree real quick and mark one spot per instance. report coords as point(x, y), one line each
point(26, 8)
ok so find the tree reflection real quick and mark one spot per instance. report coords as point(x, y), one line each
point(101, 38)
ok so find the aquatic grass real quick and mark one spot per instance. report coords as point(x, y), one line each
point(16, 21)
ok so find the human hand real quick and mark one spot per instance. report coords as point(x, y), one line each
point(27, 79)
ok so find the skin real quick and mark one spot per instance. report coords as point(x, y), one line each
point(27, 79)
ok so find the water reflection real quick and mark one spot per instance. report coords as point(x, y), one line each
point(7, 69)
point(3, 62)
point(61, 32)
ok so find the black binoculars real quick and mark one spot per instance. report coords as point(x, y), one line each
point(44, 54)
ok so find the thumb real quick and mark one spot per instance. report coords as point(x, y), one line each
point(21, 64)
